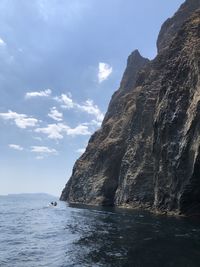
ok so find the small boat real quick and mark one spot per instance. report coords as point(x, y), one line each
point(53, 203)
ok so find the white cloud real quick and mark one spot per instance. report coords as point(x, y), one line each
point(2, 43)
point(93, 123)
point(65, 100)
point(78, 130)
point(55, 114)
point(44, 93)
point(104, 71)
point(80, 150)
point(16, 147)
point(96, 123)
point(21, 120)
point(53, 131)
point(89, 107)
point(43, 150)
point(57, 131)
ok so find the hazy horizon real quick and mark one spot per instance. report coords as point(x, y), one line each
point(27, 193)
point(60, 64)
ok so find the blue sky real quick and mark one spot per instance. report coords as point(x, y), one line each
point(60, 62)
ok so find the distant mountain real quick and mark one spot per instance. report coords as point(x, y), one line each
point(30, 195)
point(147, 152)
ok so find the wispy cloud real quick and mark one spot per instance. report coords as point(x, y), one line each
point(104, 71)
point(80, 150)
point(53, 131)
point(65, 100)
point(57, 131)
point(43, 150)
point(69, 13)
point(21, 120)
point(44, 93)
point(93, 123)
point(15, 147)
point(78, 130)
point(88, 106)
point(55, 114)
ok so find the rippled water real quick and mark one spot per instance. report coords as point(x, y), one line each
point(33, 235)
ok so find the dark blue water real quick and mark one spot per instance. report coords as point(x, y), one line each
point(33, 235)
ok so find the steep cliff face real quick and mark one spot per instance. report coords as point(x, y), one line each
point(158, 167)
point(147, 151)
point(177, 124)
point(94, 179)
point(172, 25)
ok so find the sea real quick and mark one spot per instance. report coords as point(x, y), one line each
point(35, 234)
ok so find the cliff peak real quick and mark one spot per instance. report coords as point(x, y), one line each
point(135, 63)
point(172, 25)
point(134, 57)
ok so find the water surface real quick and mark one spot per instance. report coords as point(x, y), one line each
point(32, 234)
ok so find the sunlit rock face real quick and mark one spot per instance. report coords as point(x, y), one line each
point(146, 154)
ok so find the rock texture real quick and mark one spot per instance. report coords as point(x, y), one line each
point(147, 152)
point(172, 25)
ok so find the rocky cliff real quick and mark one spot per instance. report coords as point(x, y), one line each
point(147, 152)
point(171, 26)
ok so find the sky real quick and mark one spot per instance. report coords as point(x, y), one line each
point(60, 63)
